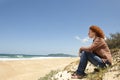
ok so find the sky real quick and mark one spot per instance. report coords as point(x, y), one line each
point(54, 26)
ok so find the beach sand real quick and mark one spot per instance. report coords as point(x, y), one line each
point(31, 69)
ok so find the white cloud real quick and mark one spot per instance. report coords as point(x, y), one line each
point(86, 39)
point(83, 40)
point(77, 38)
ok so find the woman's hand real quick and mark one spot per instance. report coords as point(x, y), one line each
point(81, 49)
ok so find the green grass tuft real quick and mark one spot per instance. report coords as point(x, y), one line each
point(49, 75)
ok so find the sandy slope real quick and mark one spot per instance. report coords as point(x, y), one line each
point(31, 69)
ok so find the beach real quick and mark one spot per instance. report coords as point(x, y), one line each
point(31, 69)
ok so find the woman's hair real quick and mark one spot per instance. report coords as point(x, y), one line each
point(99, 32)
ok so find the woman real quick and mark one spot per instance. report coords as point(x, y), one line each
point(98, 53)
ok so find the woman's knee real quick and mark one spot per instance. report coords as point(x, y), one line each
point(83, 53)
point(86, 53)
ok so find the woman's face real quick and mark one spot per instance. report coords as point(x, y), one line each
point(91, 34)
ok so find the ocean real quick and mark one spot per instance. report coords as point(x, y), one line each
point(26, 57)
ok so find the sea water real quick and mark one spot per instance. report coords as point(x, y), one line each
point(4, 57)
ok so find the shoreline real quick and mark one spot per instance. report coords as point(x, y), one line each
point(34, 58)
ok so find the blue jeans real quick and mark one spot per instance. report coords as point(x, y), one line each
point(91, 57)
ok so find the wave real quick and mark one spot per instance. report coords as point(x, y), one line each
point(35, 58)
point(26, 57)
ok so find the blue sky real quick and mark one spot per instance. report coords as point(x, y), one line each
point(53, 26)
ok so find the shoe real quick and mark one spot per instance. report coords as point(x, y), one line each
point(74, 73)
point(77, 76)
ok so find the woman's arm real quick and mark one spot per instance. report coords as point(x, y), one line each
point(98, 42)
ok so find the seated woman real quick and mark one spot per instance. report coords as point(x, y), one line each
point(97, 53)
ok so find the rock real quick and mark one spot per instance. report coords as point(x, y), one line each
point(63, 75)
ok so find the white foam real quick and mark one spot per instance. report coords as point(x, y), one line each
point(34, 58)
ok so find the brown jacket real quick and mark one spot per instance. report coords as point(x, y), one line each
point(100, 47)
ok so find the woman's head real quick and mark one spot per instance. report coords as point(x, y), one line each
point(95, 31)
